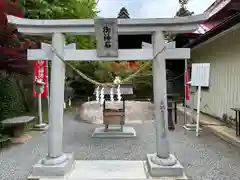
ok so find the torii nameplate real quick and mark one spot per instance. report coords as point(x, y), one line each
point(107, 37)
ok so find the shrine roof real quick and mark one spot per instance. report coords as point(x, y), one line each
point(223, 26)
point(219, 11)
point(223, 15)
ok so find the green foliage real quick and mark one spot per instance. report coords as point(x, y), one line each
point(60, 9)
point(104, 72)
point(69, 9)
point(142, 83)
point(99, 71)
point(11, 103)
point(4, 139)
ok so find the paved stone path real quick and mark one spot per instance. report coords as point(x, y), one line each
point(204, 158)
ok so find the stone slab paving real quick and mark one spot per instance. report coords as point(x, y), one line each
point(204, 158)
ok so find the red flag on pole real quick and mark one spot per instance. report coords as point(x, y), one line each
point(186, 84)
point(40, 73)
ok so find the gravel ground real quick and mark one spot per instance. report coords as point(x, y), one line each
point(204, 158)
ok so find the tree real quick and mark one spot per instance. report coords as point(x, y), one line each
point(12, 61)
point(69, 9)
point(12, 48)
point(13, 45)
point(57, 9)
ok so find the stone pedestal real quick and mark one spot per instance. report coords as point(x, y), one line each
point(18, 130)
point(114, 132)
point(53, 168)
point(40, 127)
point(191, 127)
point(165, 168)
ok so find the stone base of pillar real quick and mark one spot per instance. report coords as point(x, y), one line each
point(165, 168)
point(191, 127)
point(40, 127)
point(57, 167)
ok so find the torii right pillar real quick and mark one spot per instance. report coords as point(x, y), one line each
point(162, 163)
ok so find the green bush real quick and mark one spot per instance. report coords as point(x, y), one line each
point(11, 102)
point(105, 72)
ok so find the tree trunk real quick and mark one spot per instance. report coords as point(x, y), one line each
point(21, 89)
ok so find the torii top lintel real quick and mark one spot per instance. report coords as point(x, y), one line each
point(125, 26)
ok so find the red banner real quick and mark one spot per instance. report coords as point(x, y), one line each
point(186, 84)
point(40, 74)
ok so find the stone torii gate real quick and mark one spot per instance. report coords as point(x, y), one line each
point(161, 164)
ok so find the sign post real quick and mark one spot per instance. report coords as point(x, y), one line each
point(186, 91)
point(200, 78)
point(40, 89)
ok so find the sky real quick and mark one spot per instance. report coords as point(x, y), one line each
point(149, 8)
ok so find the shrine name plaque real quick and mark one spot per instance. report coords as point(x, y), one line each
point(106, 37)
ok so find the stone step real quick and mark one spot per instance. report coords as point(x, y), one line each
point(110, 170)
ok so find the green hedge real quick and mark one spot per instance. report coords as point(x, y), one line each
point(11, 102)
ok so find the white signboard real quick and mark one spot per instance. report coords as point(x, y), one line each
point(107, 37)
point(200, 74)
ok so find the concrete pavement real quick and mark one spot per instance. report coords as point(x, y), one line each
point(218, 128)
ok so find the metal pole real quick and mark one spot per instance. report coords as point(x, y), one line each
point(48, 91)
point(192, 106)
point(198, 110)
point(40, 109)
point(185, 93)
point(48, 95)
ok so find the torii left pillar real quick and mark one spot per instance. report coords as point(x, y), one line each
point(56, 163)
